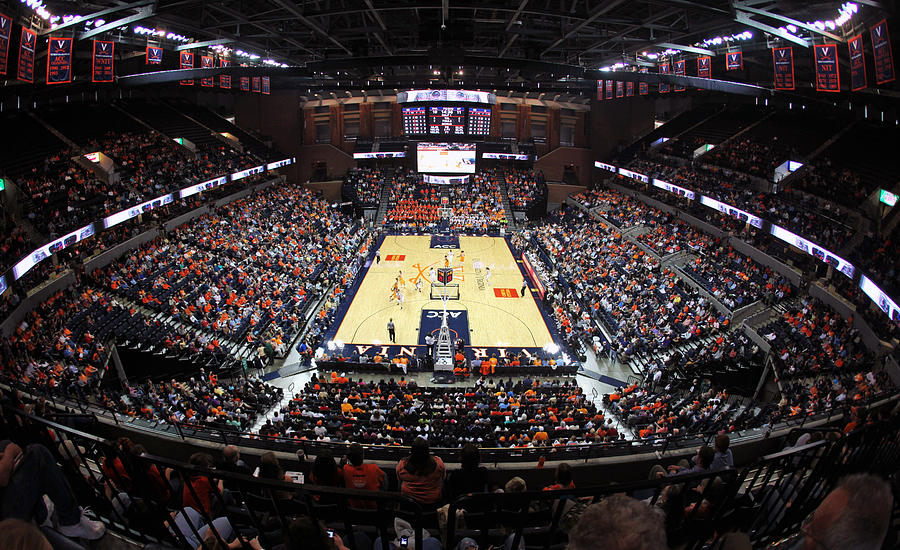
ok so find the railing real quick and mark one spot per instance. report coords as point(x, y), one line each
point(139, 495)
point(570, 453)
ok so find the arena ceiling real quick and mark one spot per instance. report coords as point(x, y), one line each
point(546, 45)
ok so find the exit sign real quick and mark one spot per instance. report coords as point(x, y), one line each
point(887, 197)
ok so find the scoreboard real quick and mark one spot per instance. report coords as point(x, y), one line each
point(415, 120)
point(479, 121)
point(447, 121)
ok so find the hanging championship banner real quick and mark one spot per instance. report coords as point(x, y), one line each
point(609, 89)
point(884, 57)
point(599, 90)
point(620, 89)
point(783, 59)
point(186, 61)
point(224, 79)
point(154, 55)
point(245, 83)
point(103, 61)
point(664, 69)
point(679, 71)
point(206, 62)
point(857, 63)
point(734, 61)
point(828, 77)
point(629, 89)
point(265, 85)
point(704, 67)
point(59, 61)
point(643, 88)
point(5, 35)
point(27, 45)
point(256, 86)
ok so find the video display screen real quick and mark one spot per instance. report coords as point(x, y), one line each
point(729, 210)
point(814, 250)
point(446, 158)
point(881, 299)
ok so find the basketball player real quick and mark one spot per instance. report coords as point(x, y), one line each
point(487, 275)
point(462, 256)
point(400, 299)
point(432, 275)
point(419, 284)
point(394, 290)
point(446, 260)
point(450, 258)
point(401, 280)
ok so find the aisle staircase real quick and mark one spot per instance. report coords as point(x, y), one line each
point(383, 205)
point(507, 207)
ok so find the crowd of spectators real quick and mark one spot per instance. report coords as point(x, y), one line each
point(478, 205)
point(736, 280)
point(489, 413)
point(524, 187)
point(63, 194)
point(245, 272)
point(475, 207)
point(414, 205)
point(749, 155)
point(835, 184)
point(810, 340)
point(821, 223)
point(364, 184)
point(644, 305)
point(654, 411)
point(671, 235)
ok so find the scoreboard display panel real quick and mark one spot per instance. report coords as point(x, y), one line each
point(479, 121)
point(447, 121)
point(415, 120)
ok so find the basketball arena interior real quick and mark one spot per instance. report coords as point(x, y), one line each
point(443, 274)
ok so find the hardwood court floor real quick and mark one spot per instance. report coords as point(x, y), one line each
point(493, 321)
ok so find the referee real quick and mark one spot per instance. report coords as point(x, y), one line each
point(524, 287)
point(390, 327)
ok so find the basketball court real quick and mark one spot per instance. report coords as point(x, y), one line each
point(490, 311)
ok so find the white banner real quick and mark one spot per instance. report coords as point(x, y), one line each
point(604, 166)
